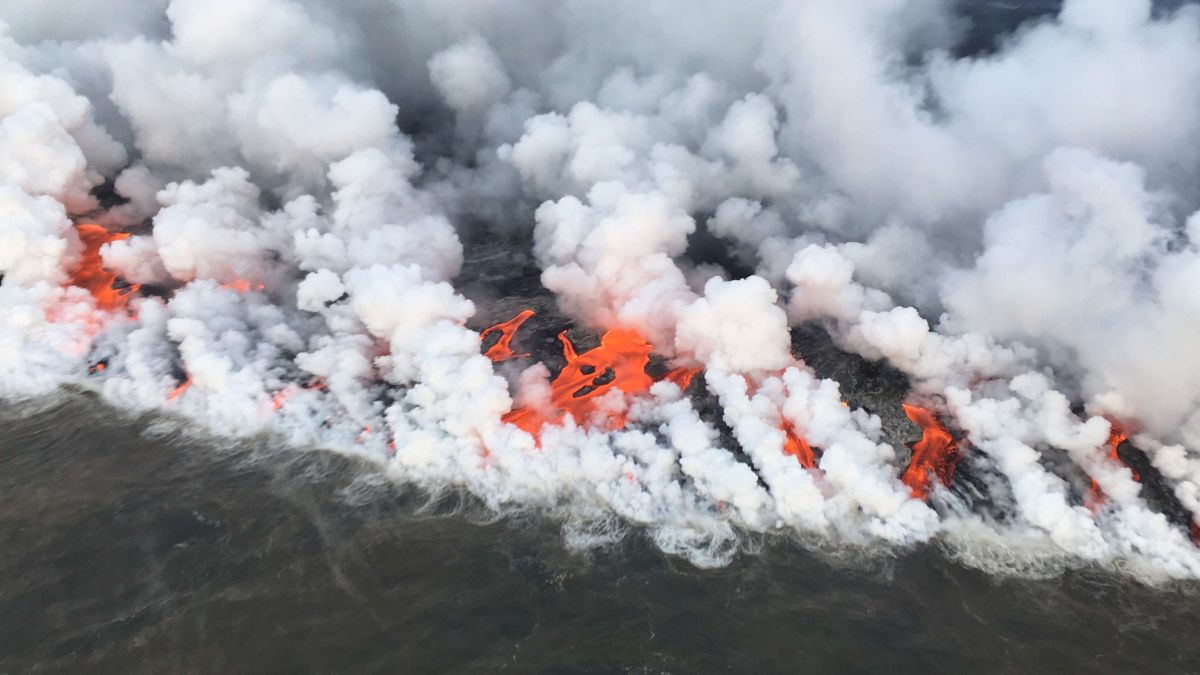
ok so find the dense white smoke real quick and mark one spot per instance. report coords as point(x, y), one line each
point(1017, 230)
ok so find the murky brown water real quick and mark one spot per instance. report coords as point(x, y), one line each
point(124, 550)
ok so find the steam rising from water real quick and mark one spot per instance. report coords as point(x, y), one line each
point(1013, 230)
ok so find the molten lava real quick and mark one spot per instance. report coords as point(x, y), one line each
point(502, 350)
point(682, 376)
point(936, 454)
point(89, 273)
point(1095, 497)
point(178, 391)
point(795, 445)
point(243, 286)
point(281, 397)
point(618, 363)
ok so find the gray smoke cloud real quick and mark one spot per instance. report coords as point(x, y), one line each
point(1017, 230)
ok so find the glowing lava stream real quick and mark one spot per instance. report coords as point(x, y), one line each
point(90, 274)
point(618, 363)
point(178, 391)
point(795, 445)
point(1095, 497)
point(936, 454)
point(502, 350)
point(281, 397)
point(243, 286)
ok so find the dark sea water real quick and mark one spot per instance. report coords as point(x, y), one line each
point(126, 548)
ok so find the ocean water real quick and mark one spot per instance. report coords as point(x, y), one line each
point(128, 546)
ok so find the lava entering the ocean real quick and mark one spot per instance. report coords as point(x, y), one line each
point(178, 391)
point(936, 454)
point(618, 363)
point(1095, 497)
point(106, 287)
point(795, 445)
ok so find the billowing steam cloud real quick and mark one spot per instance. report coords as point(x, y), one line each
point(252, 213)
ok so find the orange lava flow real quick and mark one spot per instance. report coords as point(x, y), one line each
point(1095, 497)
point(502, 350)
point(243, 286)
point(795, 445)
point(682, 376)
point(936, 454)
point(178, 391)
point(281, 397)
point(618, 363)
point(90, 274)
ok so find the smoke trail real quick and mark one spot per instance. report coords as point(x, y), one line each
point(283, 216)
